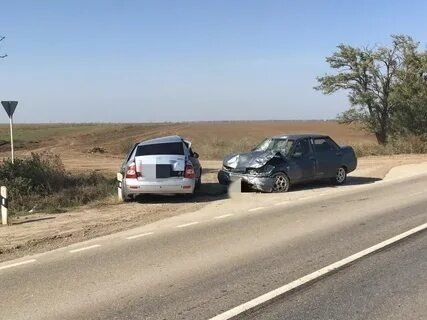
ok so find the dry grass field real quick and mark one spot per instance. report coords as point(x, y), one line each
point(213, 140)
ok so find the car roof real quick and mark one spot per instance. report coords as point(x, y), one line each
point(300, 136)
point(167, 139)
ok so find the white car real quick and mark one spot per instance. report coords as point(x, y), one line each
point(165, 165)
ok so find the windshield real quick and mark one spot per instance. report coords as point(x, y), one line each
point(280, 145)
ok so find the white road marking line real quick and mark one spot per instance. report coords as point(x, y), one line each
point(139, 235)
point(223, 216)
point(187, 224)
point(17, 264)
point(85, 248)
point(256, 209)
point(257, 302)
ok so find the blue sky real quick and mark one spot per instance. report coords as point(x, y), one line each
point(139, 61)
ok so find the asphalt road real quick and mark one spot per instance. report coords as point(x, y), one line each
point(200, 268)
point(390, 285)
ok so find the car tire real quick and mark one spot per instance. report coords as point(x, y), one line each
point(125, 197)
point(191, 195)
point(281, 182)
point(198, 182)
point(128, 199)
point(341, 176)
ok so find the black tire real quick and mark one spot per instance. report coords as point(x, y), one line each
point(190, 196)
point(341, 176)
point(199, 182)
point(281, 182)
point(126, 198)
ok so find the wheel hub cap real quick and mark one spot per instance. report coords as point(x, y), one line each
point(280, 184)
point(340, 175)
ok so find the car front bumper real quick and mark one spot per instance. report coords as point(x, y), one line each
point(260, 183)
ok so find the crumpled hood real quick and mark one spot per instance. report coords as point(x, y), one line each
point(254, 159)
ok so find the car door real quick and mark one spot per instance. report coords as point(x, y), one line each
point(302, 163)
point(328, 157)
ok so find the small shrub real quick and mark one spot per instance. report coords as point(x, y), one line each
point(97, 150)
point(41, 182)
point(397, 145)
point(408, 144)
point(363, 150)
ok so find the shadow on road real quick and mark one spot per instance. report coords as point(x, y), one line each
point(351, 181)
point(361, 180)
point(209, 192)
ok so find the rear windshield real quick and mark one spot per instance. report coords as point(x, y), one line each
point(161, 148)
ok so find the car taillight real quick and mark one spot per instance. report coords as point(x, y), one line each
point(189, 171)
point(131, 171)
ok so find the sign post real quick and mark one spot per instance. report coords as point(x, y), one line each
point(120, 186)
point(10, 107)
point(4, 205)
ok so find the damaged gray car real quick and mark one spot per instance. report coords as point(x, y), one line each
point(278, 162)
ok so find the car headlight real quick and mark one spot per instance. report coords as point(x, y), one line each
point(266, 170)
point(232, 163)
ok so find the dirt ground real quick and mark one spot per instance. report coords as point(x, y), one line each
point(39, 232)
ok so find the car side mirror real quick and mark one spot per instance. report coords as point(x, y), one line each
point(297, 155)
point(196, 155)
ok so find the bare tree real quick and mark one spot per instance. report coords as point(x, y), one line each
point(1, 39)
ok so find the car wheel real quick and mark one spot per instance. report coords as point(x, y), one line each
point(128, 199)
point(281, 182)
point(125, 197)
point(198, 182)
point(341, 176)
point(191, 195)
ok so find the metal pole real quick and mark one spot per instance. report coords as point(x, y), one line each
point(11, 138)
point(4, 205)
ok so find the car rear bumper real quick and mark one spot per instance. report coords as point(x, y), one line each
point(163, 186)
point(264, 184)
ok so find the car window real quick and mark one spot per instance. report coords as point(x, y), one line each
point(324, 145)
point(281, 145)
point(175, 148)
point(303, 146)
